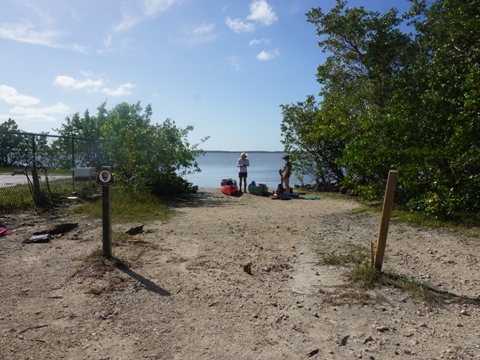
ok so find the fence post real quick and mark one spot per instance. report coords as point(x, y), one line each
point(385, 222)
point(36, 183)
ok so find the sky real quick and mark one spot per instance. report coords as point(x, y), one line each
point(221, 66)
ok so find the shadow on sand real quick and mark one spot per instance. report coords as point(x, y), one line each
point(149, 285)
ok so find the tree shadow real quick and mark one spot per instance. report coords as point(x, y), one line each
point(149, 285)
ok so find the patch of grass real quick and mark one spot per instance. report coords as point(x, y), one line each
point(20, 197)
point(356, 255)
point(459, 223)
point(368, 277)
point(365, 274)
point(15, 199)
point(366, 208)
point(418, 218)
point(142, 208)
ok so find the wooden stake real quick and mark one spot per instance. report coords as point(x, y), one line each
point(372, 253)
point(385, 222)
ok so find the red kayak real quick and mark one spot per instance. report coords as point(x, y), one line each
point(229, 186)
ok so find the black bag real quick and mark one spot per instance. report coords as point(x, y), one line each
point(280, 189)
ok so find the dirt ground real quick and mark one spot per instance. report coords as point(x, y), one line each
point(235, 278)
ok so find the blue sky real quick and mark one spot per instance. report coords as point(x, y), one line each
point(223, 66)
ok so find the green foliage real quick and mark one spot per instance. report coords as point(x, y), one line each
point(145, 156)
point(13, 147)
point(366, 274)
point(80, 145)
point(15, 199)
point(392, 100)
point(143, 208)
point(355, 256)
point(306, 136)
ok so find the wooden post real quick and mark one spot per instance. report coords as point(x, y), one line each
point(36, 187)
point(36, 182)
point(385, 222)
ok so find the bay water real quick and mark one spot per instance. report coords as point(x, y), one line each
point(216, 166)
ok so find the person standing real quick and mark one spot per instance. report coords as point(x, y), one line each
point(242, 165)
point(287, 171)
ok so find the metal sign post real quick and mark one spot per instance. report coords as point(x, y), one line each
point(105, 179)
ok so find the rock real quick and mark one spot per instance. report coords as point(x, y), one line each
point(248, 268)
point(63, 228)
point(135, 230)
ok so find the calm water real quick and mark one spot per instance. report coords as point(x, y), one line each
point(216, 166)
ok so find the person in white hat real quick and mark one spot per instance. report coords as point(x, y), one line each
point(242, 165)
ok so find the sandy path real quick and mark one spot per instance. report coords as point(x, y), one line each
point(185, 294)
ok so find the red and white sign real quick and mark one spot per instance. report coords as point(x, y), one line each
point(105, 178)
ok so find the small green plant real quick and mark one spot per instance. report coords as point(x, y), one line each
point(356, 255)
point(139, 208)
point(369, 277)
point(365, 274)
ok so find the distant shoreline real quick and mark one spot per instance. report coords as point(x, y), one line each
point(248, 151)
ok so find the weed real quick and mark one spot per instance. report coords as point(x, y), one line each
point(126, 208)
point(365, 274)
point(368, 278)
point(356, 255)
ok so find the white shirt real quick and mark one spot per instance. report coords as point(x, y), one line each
point(241, 162)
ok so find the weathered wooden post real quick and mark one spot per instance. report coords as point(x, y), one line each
point(385, 221)
point(105, 179)
point(36, 182)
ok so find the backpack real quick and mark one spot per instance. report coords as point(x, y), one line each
point(280, 189)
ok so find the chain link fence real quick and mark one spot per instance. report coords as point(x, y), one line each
point(41, 170)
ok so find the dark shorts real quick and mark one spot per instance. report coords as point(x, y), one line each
point(242, 174)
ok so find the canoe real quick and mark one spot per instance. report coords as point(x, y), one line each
point(228, 186)
point(260, 189)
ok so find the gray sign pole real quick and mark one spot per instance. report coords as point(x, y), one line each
point(107, 221)
point(106, 214)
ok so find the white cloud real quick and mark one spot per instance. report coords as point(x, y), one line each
point(258, 42)
point(238, 25)
point(200, 34)
point(149, 9)
point(87, 73)
point(107, 41)
point(121, 90)
point(45, 114)
point(262, 12)
point(234, 62)
point(28, 34)
point(79, 48)
point(69, 82)
point(127, 23)
point(11, 96)
point(193, 34)
point(152, 7)
point(267, 55)
point(204, 29)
